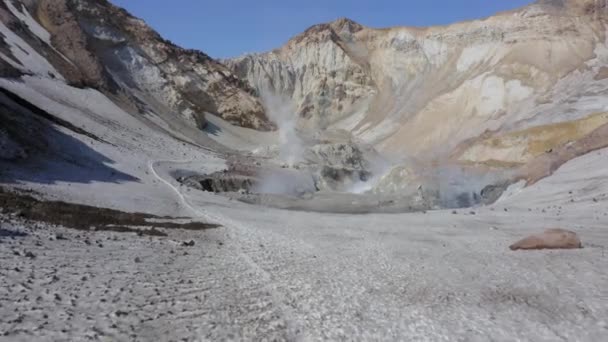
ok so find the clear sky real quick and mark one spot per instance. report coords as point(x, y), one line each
point(227, 28)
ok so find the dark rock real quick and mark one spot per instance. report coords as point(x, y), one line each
point(121, 313)
point(188, 243)
point(492, 193)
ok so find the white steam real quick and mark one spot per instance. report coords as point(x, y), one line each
point(281, 111)
point(378, 168)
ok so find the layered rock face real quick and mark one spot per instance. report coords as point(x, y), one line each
point(438, 92)
point(323, 70)
point(91, 43)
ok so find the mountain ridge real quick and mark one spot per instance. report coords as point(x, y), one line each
point(416, 92)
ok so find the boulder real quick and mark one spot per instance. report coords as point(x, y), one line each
point(550, 239)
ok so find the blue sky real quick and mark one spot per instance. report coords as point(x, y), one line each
point(227, 28)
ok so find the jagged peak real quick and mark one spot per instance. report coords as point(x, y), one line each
point(343, 23)
point(333, 28)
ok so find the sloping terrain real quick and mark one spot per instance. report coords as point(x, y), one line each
point(101, 117)
point(95, 44)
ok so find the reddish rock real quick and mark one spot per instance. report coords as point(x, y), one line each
point(550, 239)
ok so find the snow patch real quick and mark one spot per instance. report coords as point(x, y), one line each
point(29, 60)
point(28, 20)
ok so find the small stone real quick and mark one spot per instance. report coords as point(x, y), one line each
point(138, 260)
point(30, 255)
point(188, 243)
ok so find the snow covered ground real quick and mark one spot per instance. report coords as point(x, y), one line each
point(270, 274)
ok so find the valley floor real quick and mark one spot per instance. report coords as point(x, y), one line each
point(270, 274)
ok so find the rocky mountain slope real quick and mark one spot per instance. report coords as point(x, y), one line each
point(468, 93)
point(108, 183)
point(94, 44)
point(507, 92)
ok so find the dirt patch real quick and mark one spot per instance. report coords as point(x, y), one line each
point(83, 217)
point(521, 147)
point(601, 74)
point(544, 165)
